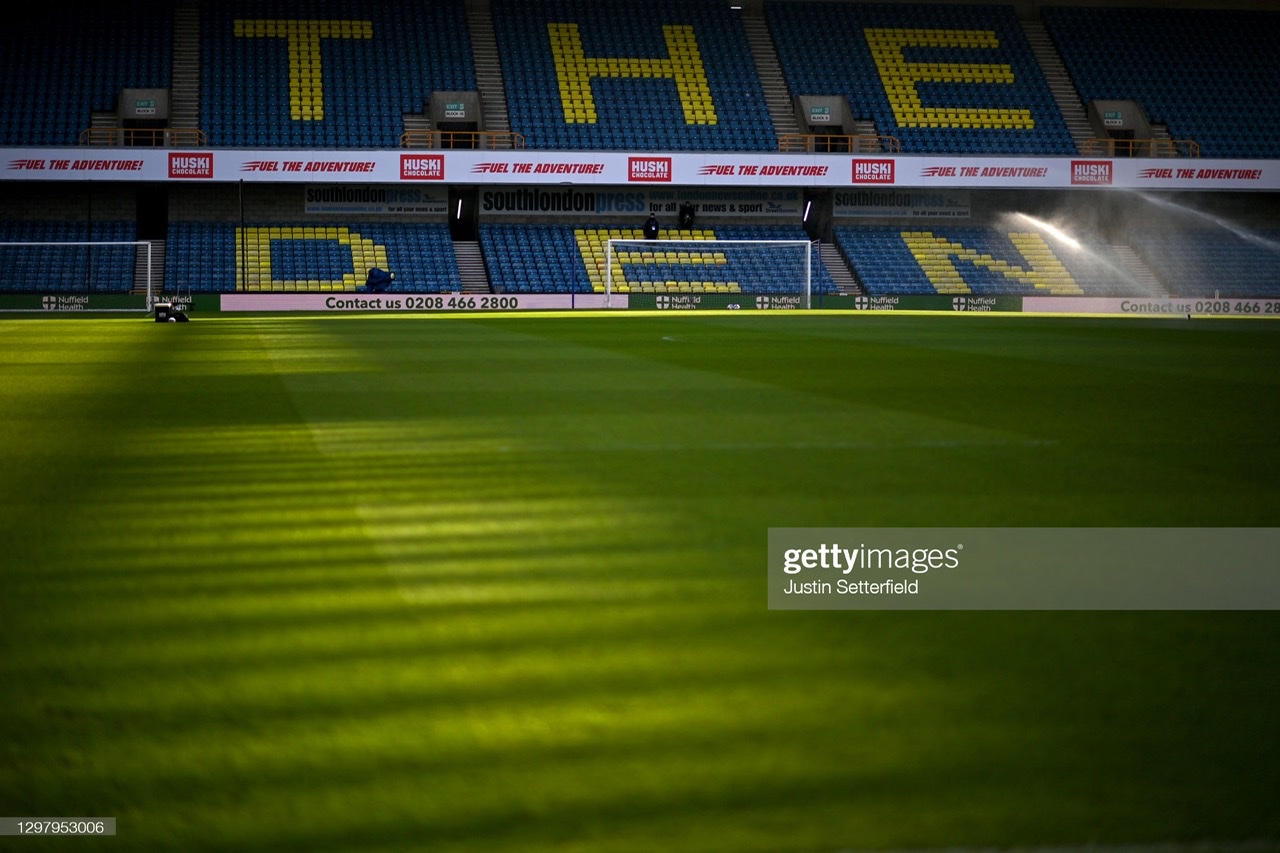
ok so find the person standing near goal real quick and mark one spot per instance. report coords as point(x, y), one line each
point(651, 227)
point(686, 216)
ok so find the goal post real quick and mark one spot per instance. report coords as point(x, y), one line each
point(726, 271)
point(72, 269)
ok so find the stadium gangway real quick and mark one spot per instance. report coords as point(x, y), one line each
point(833, 143)
point(144, 137)
point(461, 139)
point(1099, 147)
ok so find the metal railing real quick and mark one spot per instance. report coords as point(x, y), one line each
point(1098, 147)
point(150, 137)
point(827, 143)
point(809, 143)
point(443, 139)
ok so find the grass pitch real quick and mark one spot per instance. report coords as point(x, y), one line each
point(497, 583)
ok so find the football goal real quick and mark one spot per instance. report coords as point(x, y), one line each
point(722, 271)
point(64, 270)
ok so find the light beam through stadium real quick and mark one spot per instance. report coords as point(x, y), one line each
point(1092, 256)
point(1052, 230)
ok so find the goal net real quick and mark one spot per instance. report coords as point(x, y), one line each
point(723, 271)
point(67, 271)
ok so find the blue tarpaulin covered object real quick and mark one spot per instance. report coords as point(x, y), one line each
point(378, 280)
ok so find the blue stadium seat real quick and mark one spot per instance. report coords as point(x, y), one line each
point(55, 72)
point(548, 258)
point(1212, 262)
point(1210, 76)
point(368, 83)
point(827, 48)
point(202, 256)
point(981, 260)
point(630, 30)
point(67, 269)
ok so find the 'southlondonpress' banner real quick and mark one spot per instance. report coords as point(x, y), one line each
point(902, 203)
point(574, 201)
point(370, 200)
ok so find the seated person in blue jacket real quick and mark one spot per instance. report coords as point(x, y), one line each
point(378, 280)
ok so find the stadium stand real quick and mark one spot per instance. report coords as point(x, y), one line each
point(67, 269)
point(1204, 263)
point(311, 257)
point(674, 75)
point(941, 79)
point(326, 73)
point(58, 69)
point(1212, 76)
point(571, 259)
point(984, 261)
point(671, 76)
point(533, 259)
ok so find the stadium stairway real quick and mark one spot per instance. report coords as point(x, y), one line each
point(841, 276)
point(416, 122)
point(1161, 132)
point(1055, 74)
point(777, 96)
point(184, 95)
point(488, 65)
point(471, 269)
point(1133, 264)
point(870, 142)
point(100, 121)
